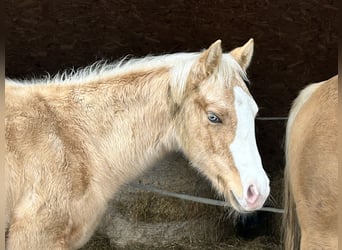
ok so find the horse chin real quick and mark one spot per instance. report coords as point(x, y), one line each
point(235, 204)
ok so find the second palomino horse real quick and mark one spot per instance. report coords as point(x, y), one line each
point(311, 174)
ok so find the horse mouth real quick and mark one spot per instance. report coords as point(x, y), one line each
point(236, 205)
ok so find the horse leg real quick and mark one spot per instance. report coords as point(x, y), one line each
point(32, 234)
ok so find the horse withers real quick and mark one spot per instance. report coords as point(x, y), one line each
point(74, 139)
point(311, 174)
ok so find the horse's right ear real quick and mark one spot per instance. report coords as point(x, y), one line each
point(206, 65)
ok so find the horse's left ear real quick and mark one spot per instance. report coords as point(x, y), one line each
point(243, 55)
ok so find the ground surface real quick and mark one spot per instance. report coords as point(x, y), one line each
point(295, 44)
point(100, 242)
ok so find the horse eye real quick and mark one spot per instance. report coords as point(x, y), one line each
point(214, 118)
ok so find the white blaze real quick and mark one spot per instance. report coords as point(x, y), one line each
point(244, 149)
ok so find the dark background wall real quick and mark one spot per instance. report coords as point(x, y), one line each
point(295, 44)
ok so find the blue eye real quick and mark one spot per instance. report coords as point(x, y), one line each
point(214, 118)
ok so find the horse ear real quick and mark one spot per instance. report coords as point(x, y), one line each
point(211, 58)
point(207, 63)
point(243, 55)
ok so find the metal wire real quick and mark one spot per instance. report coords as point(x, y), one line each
point(272, 118)
point(196, 198)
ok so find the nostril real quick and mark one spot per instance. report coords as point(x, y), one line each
point(252, 194)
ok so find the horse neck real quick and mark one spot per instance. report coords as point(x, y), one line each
point(130, 124)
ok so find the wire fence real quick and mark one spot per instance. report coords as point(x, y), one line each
point(196, 198)
point(272, 118)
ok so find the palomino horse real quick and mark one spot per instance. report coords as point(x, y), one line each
point(74, 139)
point(311, 192)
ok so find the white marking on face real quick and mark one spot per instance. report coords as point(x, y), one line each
point(244, 149)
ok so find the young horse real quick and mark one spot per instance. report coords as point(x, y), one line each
point(310, 219)
point(73, 140)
